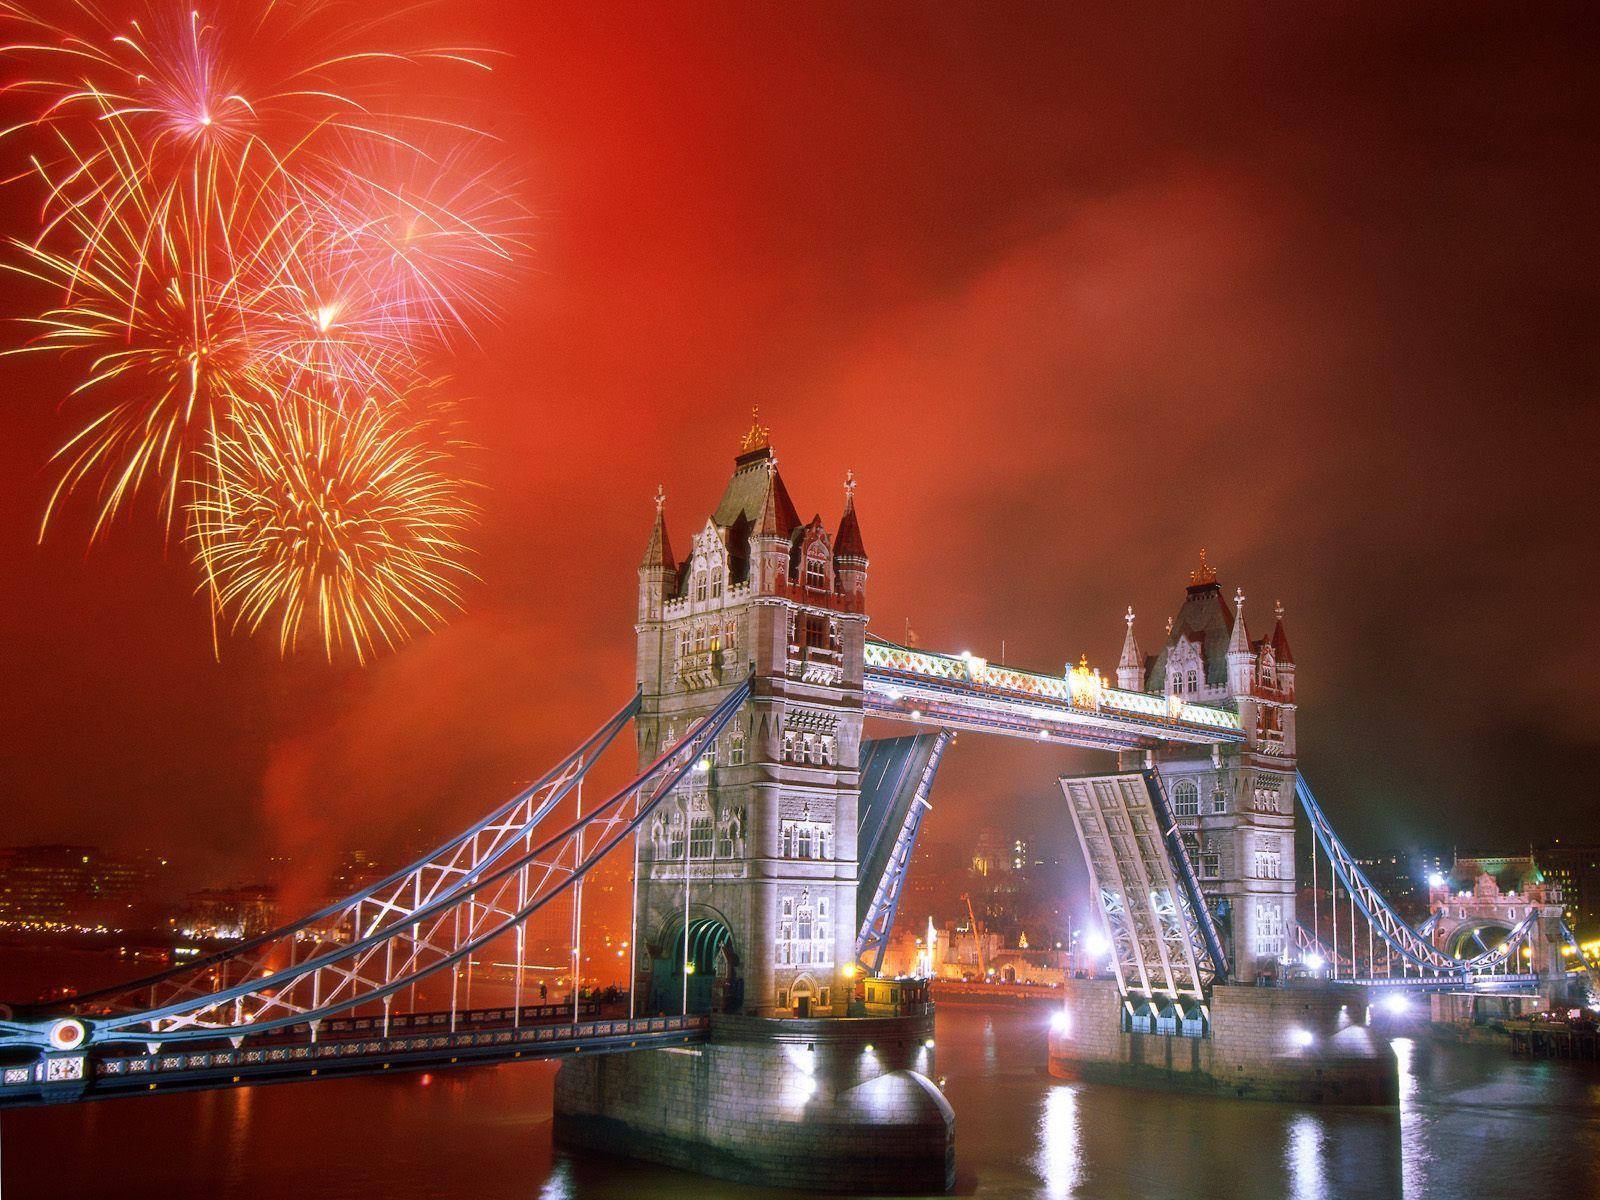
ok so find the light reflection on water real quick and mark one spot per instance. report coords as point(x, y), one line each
point(1469, 1116)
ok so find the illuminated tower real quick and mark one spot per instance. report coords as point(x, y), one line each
point(1236, 804)
point(766, 831)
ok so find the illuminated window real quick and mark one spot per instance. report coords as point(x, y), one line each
point(700, 831)
point(1269, 929)
point(736, 747)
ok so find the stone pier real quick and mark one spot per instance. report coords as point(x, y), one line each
point(1305, 1045)
point(839, 1105)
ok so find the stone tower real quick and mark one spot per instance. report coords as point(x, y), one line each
point(766, 831)
point(1236, 805)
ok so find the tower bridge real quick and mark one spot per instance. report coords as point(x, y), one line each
point(770, 839)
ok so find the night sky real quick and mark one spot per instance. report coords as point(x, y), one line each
point(1073, 292)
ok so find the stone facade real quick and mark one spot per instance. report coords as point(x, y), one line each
point(1305, 1045)
point(766, 829)
point(1236, 805)
point(823, 1105)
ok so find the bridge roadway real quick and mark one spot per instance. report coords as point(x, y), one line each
point(348, 1046)
point(1077, 708)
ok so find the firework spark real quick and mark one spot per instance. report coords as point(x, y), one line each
point(328, 525)
point(249, 245)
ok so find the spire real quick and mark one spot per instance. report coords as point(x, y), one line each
point(847, 543)
point(767, 524)
point(1240, 641)
point(1280, 639)
point(658, 554)
point(1130, 667)
point(1130, 648)
point(1205, 574)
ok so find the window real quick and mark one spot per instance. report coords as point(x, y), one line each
point(1210, 864)
point(736, 748)
point(1186, 799)
point(700, 586)
point(1268, 799)
point(1269, 929)
point(1219, 800)
point(816, 573)
point(805, 838)
point(803, 932)
point(1269, 862)
point(1194, 682)
point(716, 585)
point(700, 831)
point(675, 835)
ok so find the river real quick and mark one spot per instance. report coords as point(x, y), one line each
point(1472, 1121)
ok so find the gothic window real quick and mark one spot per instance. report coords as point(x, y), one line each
point(1194, 682)
point(675, 835)
point(1269, 929)
point(683, 642)
point(1210, 864)
point(802, 841)
point(1268, 798)
point(806, 839)
point(816, 632)
point(700, 831)
point(730, 635)
point(716, 585)
point(1219, 800)
point(700, 586)
point(1186, 799)
point(816, 572)
point(736, 748)
point(1269, 862)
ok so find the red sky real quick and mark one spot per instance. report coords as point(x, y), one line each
point(1074, 292)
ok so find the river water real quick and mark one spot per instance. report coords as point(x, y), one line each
point(1473, 1122)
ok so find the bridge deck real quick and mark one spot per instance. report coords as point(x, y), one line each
point(962, 691)
point(84, 1075)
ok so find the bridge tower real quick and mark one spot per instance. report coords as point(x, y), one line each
point(1236, 805)
point(766, 833)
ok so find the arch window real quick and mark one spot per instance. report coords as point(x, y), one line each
point(736, 748)
point(700, 586)
point(816, 573)
point(1194, 682)
point(1186, 799)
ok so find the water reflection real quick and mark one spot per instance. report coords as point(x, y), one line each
point(1057, 1161)
point(1472, 1121)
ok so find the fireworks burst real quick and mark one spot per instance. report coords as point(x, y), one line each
point(327, 525)
point(250, 248)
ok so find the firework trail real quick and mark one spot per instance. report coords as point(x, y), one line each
point(250, 247)
point(330, 525)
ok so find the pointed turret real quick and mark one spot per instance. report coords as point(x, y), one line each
point(849, 552)
point(1280, 640)
point(1241, 659)
point(1130, 667)
point(659, 570)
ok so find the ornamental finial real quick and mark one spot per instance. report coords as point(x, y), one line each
point(1129, 617)
point(661, 499)
point(757, 438)
point(1277, 609)
point(1203, 574)
point(1238, 599)
point(849, 485)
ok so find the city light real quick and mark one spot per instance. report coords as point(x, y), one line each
point(1060, 1021)
point(1302, 1037)
point(1095, 945)
point(1315, 962)
point(1396, 1004)
point(1435, 879)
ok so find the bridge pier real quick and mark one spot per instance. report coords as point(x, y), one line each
point(1308, 1045)
point(839, 1105)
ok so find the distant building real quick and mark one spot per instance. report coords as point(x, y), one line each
point(228, 914)
point(68, 889)
point(1403, 881)
point(1574, 868)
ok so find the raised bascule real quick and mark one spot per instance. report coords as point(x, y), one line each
point(770, 842)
